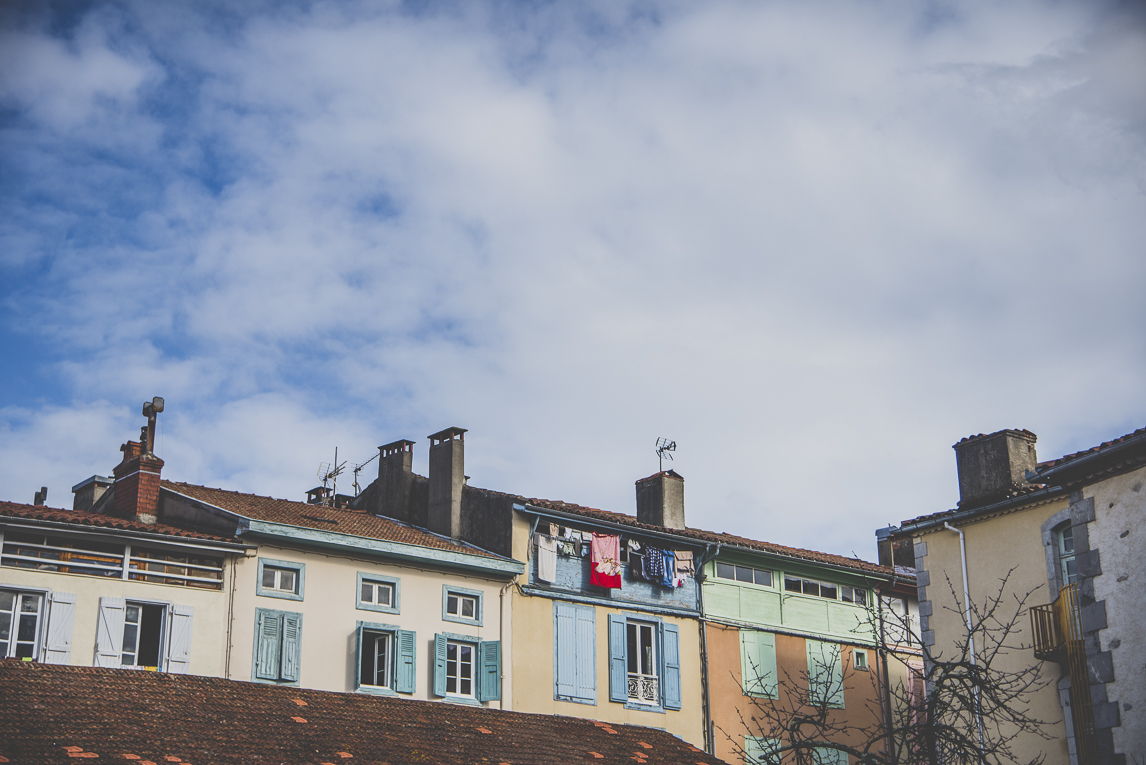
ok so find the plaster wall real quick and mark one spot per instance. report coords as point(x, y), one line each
point(996, 545)
point(330, 615)
point(208, 623)
point(732, 710)
point(1118, 535)
point(534, 682)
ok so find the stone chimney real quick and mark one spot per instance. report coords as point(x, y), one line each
point(87, 492)
point(994, 467)
point(447, 477)
point(136, 488)
point(660, 500)
point(395, 479)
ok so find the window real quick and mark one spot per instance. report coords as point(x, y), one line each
point(379, 593)
point(825, 674)
point(574, 653)
point(827, 590)
point(278, 646)
point(467, 669)
point(281, 579)
point(1064, 537)
point(758, 663)
point(859, 657)
point(744, 574)
point(385, 659)
point(760, 751)
point(853, 595)
point(144, 634)
point(20, 622)
point(460, 605)
point(644, 662)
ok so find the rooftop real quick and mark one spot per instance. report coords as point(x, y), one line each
point(98, 521)
point(54, 714)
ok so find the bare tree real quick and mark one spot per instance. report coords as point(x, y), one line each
point(973, 710)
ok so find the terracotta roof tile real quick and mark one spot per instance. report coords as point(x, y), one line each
point(39, 513)
point(323, 518)
point(51, 714)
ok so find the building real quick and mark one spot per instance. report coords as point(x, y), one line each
point(1059, 538)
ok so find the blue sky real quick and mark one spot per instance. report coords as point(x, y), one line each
point(815, 243)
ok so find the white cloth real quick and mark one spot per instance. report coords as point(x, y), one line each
point(546, 558)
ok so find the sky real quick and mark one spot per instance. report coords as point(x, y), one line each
point(815, 243)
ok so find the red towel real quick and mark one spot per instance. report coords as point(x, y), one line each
point(605, 561)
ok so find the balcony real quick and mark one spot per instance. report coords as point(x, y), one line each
point(644, 689)
point(1057, 630)
point(1050, 644)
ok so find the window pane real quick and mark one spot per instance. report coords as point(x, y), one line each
point(27, 629)
point(725, 571)
point(384, 593)
point(828, 591)
point(268, 578)
point(132, 615)
point(631, 635)
point(5, 628)
point(286, 580)
point(29, 604)
point(811, 588)
point(367, 592)
point(7, 601)
point(468, 607)
point(452, 605)
point(763, 577)
point(743, 574)
point(791, 585)
point(1068, 539)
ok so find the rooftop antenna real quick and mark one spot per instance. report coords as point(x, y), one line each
point(329, 472)
point(358, 469)
point(665, 448)
point(147, 435)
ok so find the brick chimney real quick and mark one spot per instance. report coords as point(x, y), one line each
point(136, 488)
point(660, 500)
point(994, 467)
point(447, 477)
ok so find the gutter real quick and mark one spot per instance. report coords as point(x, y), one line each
point(970, 513)
point(1055, 471)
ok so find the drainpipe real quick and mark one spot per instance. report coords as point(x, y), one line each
point(970, 632)
point(884, 654)
point(709, 742)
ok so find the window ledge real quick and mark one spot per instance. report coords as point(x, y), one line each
point(462, 700)
point(644, 707)
point(571, 700)
point(376, 690)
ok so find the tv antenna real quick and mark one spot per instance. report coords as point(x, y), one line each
point(358, 469)
point(665, 448)
point(329, 472)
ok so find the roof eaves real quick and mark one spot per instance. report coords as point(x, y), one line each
point(1071, 464)
point(954, 516)
point(633, 529)
point(201, 543)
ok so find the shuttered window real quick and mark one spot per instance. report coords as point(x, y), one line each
point(823, 755)
point(385, 658)
point(761, 751)
point(574, 653)
point(138, 634)
point(825, 674)
point(278, 646)
point(651, 675)
point(758, 663)
point(467, 668)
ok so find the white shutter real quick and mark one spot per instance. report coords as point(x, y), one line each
point(58, 635)
point(109, 632)
point(179, 640)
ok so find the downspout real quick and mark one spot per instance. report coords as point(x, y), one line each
point(892, 752)
point(970, 632)
point(709, 742)
point(505, 655)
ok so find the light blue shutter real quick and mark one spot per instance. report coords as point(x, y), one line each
point(439, 665)
point(586, 628)
point(58, 635)
point(761, 751)
point(825, 674)
point(179, 640)
point(758, 663)
point(405, 656)
point(489, 679)
point(269, 636)
point(358, 656)
point(292, 647)
point(109, 632)
point(565, 659)
point(670, 669)
point(618, 666)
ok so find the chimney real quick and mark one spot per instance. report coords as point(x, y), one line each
point(660, 500)
point(395, 480)
point(88, 491)
point(41, 497)
point(447, 477)
point(136, 488)
point(993, 467)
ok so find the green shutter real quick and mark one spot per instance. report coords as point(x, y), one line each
point(439, 665)
point(758, 663)
point(292, 647)
point(269, 632)
point(404, 658)
point(670, 666)
point(823, 755)
point(618, 667)
point(359, 670)
point(761, 751)
point(825, 674)
point(489, 670)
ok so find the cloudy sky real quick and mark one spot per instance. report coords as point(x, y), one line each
point(816, 243)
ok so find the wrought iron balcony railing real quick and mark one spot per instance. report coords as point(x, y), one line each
point(644, 689)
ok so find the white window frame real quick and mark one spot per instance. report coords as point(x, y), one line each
point(373, 637)
point(458, 645)
point(281, 565)
point(460, 594)
point(1065, 558)
point(859, 659)
point(164, 618)
point(376, 580)
point(638, 681)
point(20, 594)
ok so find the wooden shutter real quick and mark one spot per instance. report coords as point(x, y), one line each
point(758, 663)
point(670, 666)
point(825, 674)
point(292, 647)
point(179, 640)
point(359, 670)
point(269, 636)
point(109, 632)
point(439, 665)
point(586, 633)
point(618, 664)
point(404, 657)
point(761, 751)
point(565, 649)
point(58, 634)
point(489, 677)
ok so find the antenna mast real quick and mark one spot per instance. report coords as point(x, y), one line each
point(329, 472)
point(665, 448)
